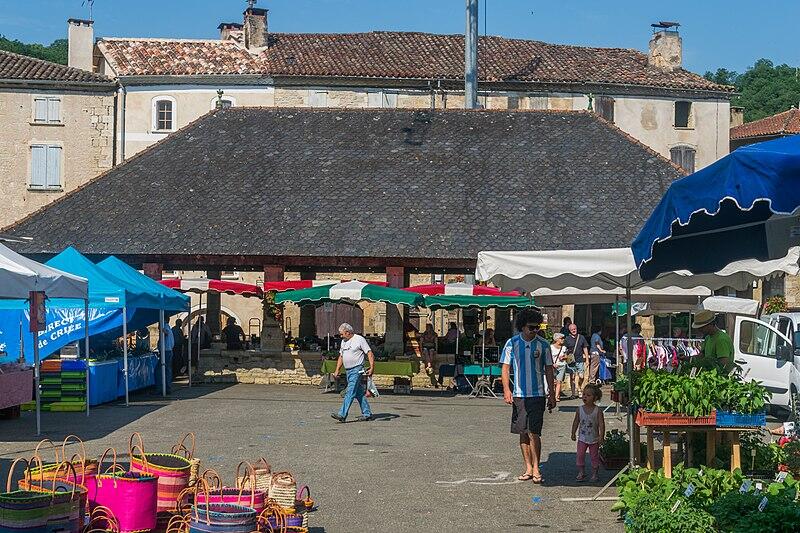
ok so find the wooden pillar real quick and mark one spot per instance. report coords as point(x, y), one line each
point(214, 305)
point(651, 463)
point(637, 448)
point(736, 451)
point(308, 318)
point(272, 273)
point(689, 452)
point(153, 270)
point(395, 340)
point(667, 464)
point(711, 447)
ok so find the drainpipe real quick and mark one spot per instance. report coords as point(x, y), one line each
point(124, 98)
point(471, 56)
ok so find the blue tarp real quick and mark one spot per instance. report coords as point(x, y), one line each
point(104, 290)
point(159, 296)
point(716, 216)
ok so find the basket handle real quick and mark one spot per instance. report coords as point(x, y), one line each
point(181, 507)
point(177, 524)
point(52, 445)
point(273, 509)
point(251, 477)
point(40, 470)
point(83, 469)
point(282, 474)
point(11, 472)
point(263, 461)
point(300, 492)
point(112, 468)
point(67, 466)
point(210, 475)
point(140, 446)
point(73, 439)
point(102, 519)
point(203, 489)
point(181, 446)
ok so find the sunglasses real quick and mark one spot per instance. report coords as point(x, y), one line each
point(532, 327)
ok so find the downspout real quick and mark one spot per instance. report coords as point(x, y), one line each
point(122, 122)
point(115, 134)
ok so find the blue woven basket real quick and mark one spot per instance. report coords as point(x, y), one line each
point(726, 419)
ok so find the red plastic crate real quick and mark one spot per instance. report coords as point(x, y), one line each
point(646, 418)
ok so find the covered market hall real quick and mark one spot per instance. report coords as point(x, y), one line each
point(395, 198)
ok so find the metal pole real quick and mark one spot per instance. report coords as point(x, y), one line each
point(189, 337)
point(471, 56)
point(86, 340)
point(199, 316)
point(37, 378)
point(162, 347)
point(629, 370)
point(616, 342)
point(458, 330)
point(125, 352)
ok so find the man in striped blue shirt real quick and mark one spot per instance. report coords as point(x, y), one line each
point(528, 355)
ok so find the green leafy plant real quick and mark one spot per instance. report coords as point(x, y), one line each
point(616, 444)
point(621, 384)
point(739, 512)
point(654, 514)
point(792, 457)
point(760, 456)
point(776, 304)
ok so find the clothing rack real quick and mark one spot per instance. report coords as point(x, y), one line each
point(669, 339)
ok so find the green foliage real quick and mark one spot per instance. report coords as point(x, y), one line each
point(764, 89)
point(664, 392)
point(792, 456)
point(776, 304)
point(654, 514)
point(616, 444)
point(739, 512)
point(768, 456)
point(57, 52)
point(621, 384)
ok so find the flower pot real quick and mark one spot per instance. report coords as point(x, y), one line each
point(646, 418)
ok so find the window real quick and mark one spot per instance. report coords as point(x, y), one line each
point(382, 99)
point(604, 106)
point(683, 115)
point(317, 98)
point(759, 339)
point(229, 274)
point(513, 102)
point(537, 102)
point(47, 110)
point(683, 156)
point(164, 113)
point(45, 167)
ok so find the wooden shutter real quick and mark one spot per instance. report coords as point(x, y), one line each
point(604, 106)
point(683, 156)
point(53, 176)
point(40, 109)
point(374, 98)
point(389, 100)
point(53, 110)
point(38, 166)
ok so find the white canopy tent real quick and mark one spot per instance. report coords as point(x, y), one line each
point(717, 304)
point(587, 272)
point(19, 276)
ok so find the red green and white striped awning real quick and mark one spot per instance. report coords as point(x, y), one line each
point(459, 289)
point(310, 283)
point(203, 285)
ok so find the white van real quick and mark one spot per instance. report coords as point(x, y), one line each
point(767, 351)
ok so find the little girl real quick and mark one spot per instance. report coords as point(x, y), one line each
point(591, 427)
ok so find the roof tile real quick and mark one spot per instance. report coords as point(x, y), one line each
point(24, 68)
point(786, 123)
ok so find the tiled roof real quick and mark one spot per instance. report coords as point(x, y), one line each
point(405, 55)
point(786, 123)
point(23, 68)
point(364, 183)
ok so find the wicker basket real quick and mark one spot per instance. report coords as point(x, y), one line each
point(262, 472)
point(194, 463)
point(283, 489)
point(646, 418)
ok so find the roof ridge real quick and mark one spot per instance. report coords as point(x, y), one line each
point(789, 117)
point(164, 39)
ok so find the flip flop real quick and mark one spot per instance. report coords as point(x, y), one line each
point(525, 477)
point(537, 480)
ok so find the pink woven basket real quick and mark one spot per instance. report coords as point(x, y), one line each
point(131, 496)
point(215, 493)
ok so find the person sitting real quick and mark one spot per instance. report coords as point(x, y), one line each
point(429, 339)
point(490, 340)
point(452, 333)
point(233, 335)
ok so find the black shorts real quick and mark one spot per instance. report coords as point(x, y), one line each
point(527, 415)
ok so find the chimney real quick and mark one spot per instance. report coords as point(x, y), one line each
point(80, 35)
point(226, 29)
point(255, 29)
point(666, 49)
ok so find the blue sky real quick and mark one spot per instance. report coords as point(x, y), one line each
point(716, 33)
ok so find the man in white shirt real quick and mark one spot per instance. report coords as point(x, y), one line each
point(530, 357)
point(351, 356)
point(169, 345)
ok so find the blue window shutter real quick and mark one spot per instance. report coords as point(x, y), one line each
point(38, 166)
point(53, 166)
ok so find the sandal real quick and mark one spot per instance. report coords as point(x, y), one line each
point(525, 477)
point(580, 477)
point(537, 480)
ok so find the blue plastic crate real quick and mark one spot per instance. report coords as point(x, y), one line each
point(726, 419)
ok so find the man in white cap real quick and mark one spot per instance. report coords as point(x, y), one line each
point(717, 347)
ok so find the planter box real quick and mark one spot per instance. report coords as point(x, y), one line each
point(620, 397)
point(646, 418)
point(613, 463)
point(727, 419)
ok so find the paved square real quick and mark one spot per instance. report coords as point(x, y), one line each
point(430, 462)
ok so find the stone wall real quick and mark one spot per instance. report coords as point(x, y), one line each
point(85, 135)
point(303, 368)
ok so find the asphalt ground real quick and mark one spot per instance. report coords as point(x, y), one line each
point(429, 462)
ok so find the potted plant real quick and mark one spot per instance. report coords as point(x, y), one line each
point(615, 449)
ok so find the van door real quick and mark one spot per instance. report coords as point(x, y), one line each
point(765, 355)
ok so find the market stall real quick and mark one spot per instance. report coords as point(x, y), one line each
point(19, 278)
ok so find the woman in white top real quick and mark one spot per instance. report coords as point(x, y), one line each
point(559, 352)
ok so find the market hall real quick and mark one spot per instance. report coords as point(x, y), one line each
point(279, 192)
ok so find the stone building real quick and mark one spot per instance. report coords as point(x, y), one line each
point(168, 83)
point(766, 129)
point(56, 131)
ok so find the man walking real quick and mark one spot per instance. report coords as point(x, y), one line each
point(351, 355)
point(529, 356)
point(179, 351)
point(169, 344)
point(578, 347)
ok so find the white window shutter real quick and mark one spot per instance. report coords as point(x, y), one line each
point(374, 98)
point(390, 100)
point(40, 110)
point(53, 166)
point(53, 110)
point(38, 166)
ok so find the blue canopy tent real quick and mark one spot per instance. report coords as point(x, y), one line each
point(153, 296)
point(749, 198)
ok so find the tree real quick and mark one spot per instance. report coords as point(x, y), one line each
point(57, 52)
point(764, 89)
